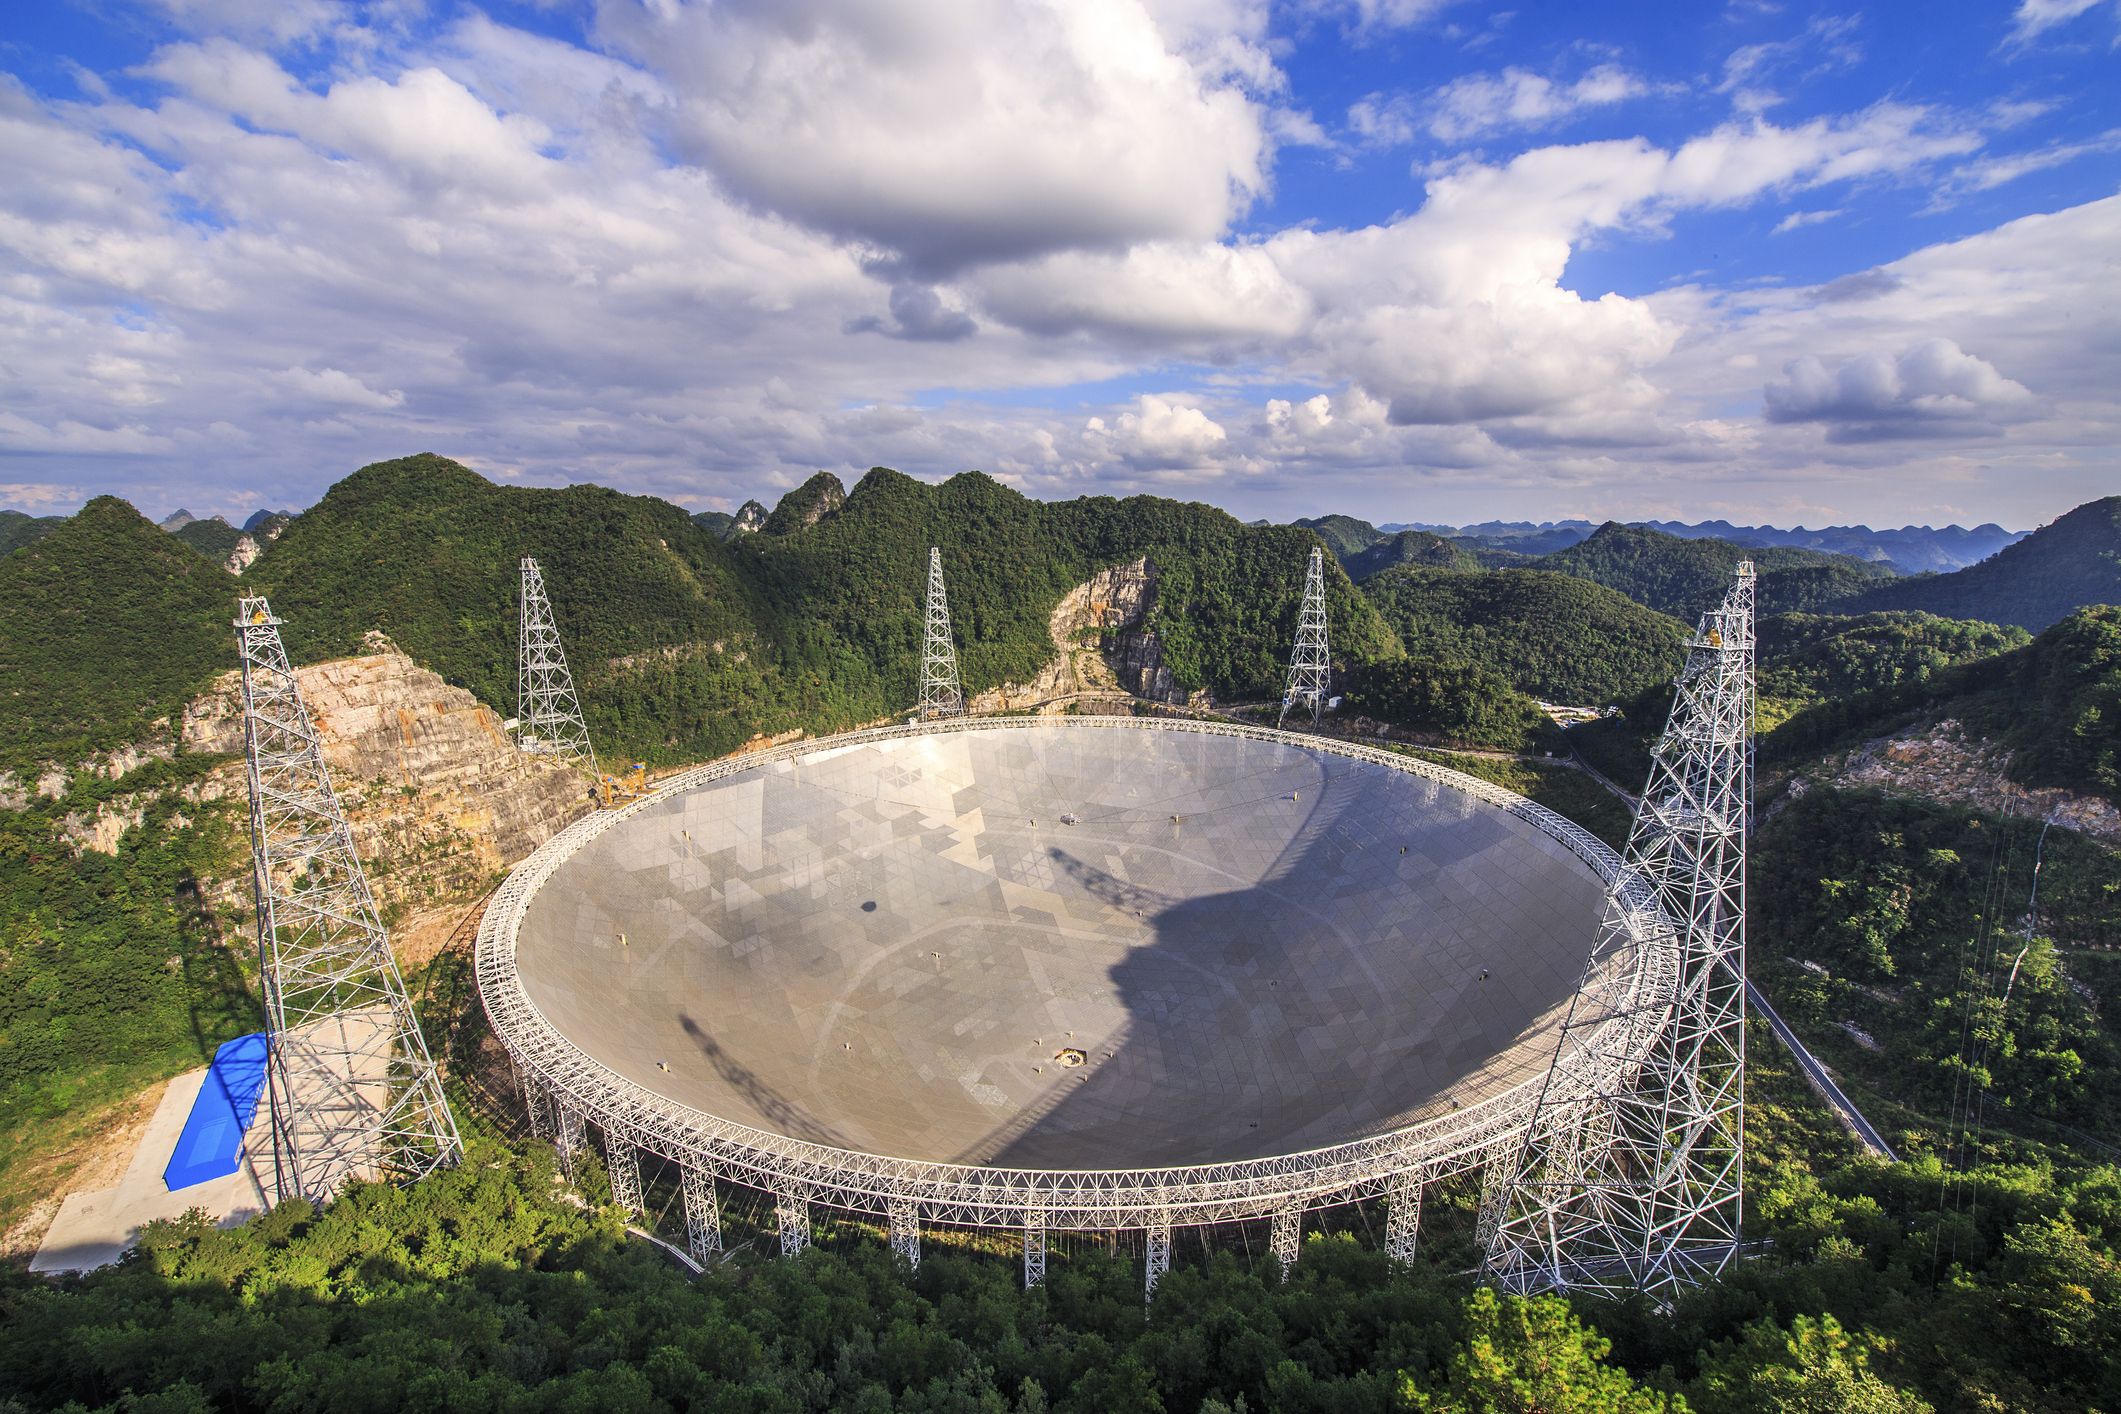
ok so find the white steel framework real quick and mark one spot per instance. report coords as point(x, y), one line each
point(1637, 1185)
point(703, 1215)
point(942, 692)
point(1309, 664)
point(351, 1089)
point(1393, 1164)
point(548, 714)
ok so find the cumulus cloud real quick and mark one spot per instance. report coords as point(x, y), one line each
point(1878, 395)
point(1160, 433)
point(947, 135)
point(567, 262)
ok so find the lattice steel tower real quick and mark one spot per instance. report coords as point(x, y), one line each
point(1635, 1184)
point(352, 1090)
point(1308, 665)
point(942, 694)
point(548, 714)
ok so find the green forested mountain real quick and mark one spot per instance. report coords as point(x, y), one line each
point(1408, 547)
point(1555, 636)
point(111, 624)
point(2054, 704)
point(685, 646)
point(1805, 658)
point(2074, 562)
point(1461, 701)
point(1686, 578)
point(1344, 535)
point(17, 529)
point(213, 537)
point(822, 495)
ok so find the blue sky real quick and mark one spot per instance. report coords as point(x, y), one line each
point(1399, 258)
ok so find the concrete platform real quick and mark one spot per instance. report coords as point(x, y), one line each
point(96, 1229)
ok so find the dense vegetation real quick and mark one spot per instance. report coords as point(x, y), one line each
point(213, 537)
point(684, 646)
point(1408, 547)
point(1981, 1275)
point(111, 626)
point(112, 973)
point(1463, 702)
point(17, 529)
point(1559, 638)
point(2074, 562)
point(1807, 658)
point(2053, 704)
point(1686, 578)
point(1345, 536)
point(1918, 914)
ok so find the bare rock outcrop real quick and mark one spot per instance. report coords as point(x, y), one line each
point(1101, 644)
point(440, 800)
point(1941, 762)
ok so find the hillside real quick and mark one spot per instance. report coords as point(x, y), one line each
point(1345, 536)
point(2066, 565)
point(17, 529)
point(684, 646)
point(213, 537)
point(111, 626)
point(1805, 658)
point(1557, 637)
point(1686, 578)
point(2053, 705)
point(1408, 547)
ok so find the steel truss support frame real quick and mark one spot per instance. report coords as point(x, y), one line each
point(1158, 1258)
point(703, 1214)
point(537, 1103)
point(942, 691)
point(1637, 1185)
point(548, 714)
point(570, 1135)
point(1285, 1236)
point(623, 1163)
point(1034, 1249)
point(1403, 1217)
point(352, 1091)
point(904, 1222)
point(1309, 664)
point(791, 1215)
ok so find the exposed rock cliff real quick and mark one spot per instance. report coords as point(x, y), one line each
point(1101, 646)
point(439, 799)
point(1940, 762)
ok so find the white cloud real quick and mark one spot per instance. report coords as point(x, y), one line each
point(337, 388)
point(2035, 17)
point(483, 244)
point(1878, 395)
point(1797, 220)
point(1476, 104)
point(946, 135)
point(1160, 433)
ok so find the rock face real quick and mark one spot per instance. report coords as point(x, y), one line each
point(239, 559)
point(814, 500)
point(750, 516)
point(439, 799)
point(1101, 646)
point(1941, 763)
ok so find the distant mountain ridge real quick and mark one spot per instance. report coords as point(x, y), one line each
point(2063, 566)
point(1911, 549)
point(1685, 578)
